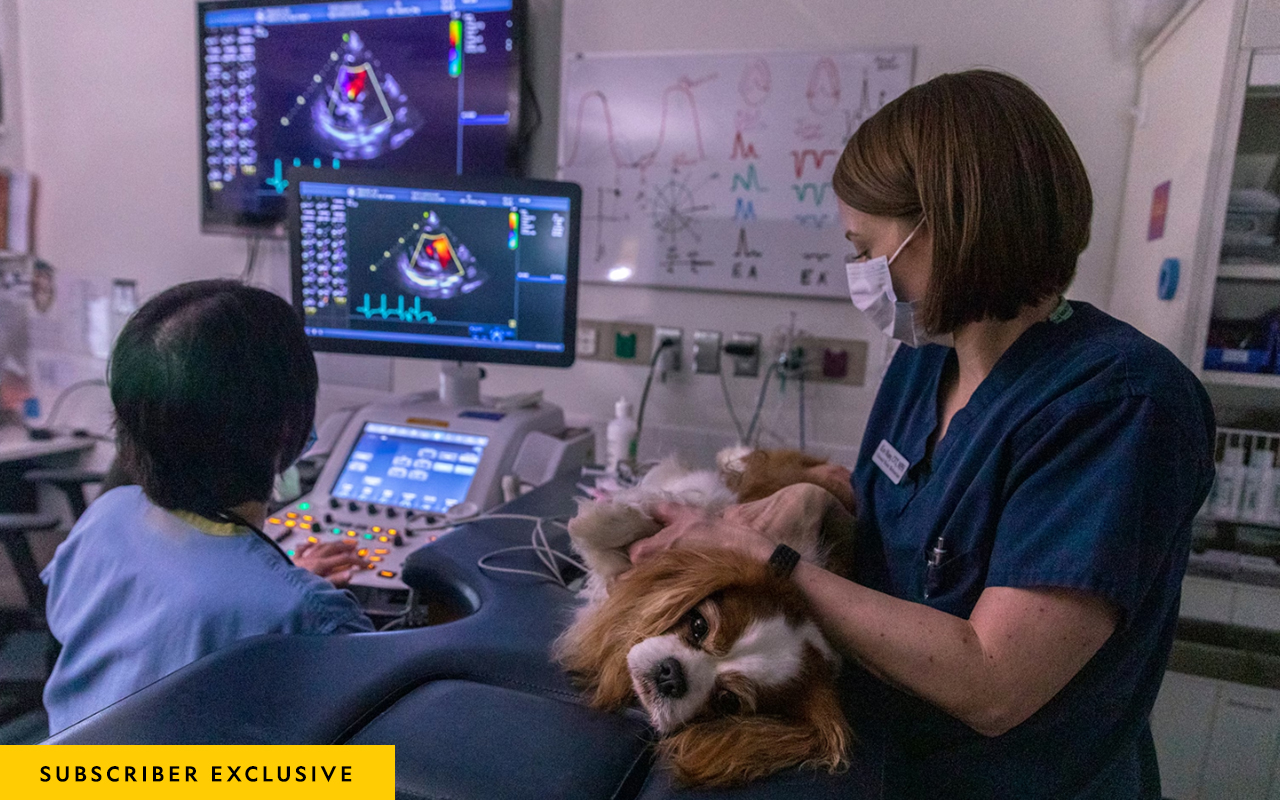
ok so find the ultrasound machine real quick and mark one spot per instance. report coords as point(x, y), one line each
point(464, 269)
point(320, 122)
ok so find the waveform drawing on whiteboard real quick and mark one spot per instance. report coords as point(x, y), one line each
point(756, 82)
point(679, 112)
point(823, 91)
point(714, 171)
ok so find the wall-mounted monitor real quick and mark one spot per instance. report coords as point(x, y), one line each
point(459, 268)
point(421, 85)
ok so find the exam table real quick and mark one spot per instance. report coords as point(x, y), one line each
point(474, 707)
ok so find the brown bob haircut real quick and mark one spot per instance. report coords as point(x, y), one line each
point(1001, 188)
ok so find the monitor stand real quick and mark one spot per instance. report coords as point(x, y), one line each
point(460, 384)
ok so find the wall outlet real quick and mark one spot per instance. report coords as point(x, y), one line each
point(833, 360)
point(594, 341)
point(706, 352)
point(588, 341)
point(746, 363)
point(631, 343)
point(672, 359)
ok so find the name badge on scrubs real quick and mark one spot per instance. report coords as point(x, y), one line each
point(890, 461)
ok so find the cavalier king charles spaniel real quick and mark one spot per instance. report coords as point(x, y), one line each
point(721, 652)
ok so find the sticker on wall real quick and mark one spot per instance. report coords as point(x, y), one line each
point(1168, 285)
point(1159, 210)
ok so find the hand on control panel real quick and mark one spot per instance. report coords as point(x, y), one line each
point(336, 561)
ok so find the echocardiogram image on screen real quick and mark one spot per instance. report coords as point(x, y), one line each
point(430, 86)
point(471, 275)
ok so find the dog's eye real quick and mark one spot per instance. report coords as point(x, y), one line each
point(698, 626)
point(726, 702)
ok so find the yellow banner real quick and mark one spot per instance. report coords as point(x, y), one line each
point(199, 771)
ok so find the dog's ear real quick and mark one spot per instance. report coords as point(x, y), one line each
point(734, 750)
point(602, 530)
point(594, 648)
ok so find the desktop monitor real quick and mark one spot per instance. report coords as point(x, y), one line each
point(427, 85)
point(459, 268)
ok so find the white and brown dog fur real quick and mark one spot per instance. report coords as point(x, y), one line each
point(722, 654)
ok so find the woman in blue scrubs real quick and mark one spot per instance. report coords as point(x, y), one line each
point(1028, 475)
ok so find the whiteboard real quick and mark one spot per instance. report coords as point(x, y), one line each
point(713, 172)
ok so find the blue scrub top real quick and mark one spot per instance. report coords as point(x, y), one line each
point(137, 592)
point(1079, 462)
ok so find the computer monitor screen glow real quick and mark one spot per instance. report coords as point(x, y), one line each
point(410, 467)
point(427, 85)
point(456, 268)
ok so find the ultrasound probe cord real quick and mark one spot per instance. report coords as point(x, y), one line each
point(546, 554)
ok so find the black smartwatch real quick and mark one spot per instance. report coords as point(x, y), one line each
point(783, 561)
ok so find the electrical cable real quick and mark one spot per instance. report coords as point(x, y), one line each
point(800, 377)
point(546, 554)
point(733, 415)
point(529, 125)
point(57, 401)
point(648, 381)
point(752, 436)
point(251, 258)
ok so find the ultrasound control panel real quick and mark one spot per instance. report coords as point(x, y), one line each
point(401, 474)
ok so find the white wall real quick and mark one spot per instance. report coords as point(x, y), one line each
point(110, 126)
point(12, 154)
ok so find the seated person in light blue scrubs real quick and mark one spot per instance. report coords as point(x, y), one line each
point(1028, 475)
point(214, 389)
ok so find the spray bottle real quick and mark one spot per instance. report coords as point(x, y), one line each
point(620, 436)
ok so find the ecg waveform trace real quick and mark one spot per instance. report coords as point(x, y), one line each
point(743, 149)
point(414, 314)
point(750, 181)
point(818, 190)
point(684, 86)
point(801, 157)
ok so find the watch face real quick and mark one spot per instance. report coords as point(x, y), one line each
point(783, 560)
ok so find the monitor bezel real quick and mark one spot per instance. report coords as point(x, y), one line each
point(463, 183)
point(252, 225)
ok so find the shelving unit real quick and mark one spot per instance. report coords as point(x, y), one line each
point(1209, 92)
point(1253, 380)
point(1248, 271)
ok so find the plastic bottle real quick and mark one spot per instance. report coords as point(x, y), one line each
point(1226, 496)
point(620, 436)
point(1257, 468)
point(1266, 510)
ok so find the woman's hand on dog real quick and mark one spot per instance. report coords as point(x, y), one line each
point(795, 516)
point(689, 526)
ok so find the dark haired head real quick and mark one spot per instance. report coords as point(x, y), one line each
point(1001, 189)
point(214, 388)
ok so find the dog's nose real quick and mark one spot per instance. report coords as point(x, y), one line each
point(668, 677)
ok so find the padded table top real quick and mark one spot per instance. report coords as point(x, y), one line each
point(475, 707)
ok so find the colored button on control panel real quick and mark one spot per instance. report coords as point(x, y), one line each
point(386, 573)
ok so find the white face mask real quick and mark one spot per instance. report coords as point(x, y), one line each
point(871, 290)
